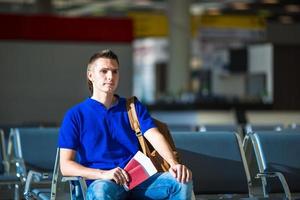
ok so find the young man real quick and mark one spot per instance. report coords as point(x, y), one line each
point(98, 129)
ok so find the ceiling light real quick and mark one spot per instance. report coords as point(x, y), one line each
point(270, 1)
point(196, 9)
point(213, 11)
point(239, 5)
point(292, 8)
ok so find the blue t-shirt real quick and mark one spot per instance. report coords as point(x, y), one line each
point(102, 137)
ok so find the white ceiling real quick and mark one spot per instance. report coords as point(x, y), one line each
point(270, 8)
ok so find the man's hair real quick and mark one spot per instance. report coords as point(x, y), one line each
point(107, 53)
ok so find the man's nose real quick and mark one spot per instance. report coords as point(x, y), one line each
point(109, 75)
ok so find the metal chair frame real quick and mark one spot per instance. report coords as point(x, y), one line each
point(253, 141)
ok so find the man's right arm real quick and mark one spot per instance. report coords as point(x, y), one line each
point(69, 167)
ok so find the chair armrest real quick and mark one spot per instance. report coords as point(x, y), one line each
point(282, 180)
point(20, 169)
point(33, 177)
point(70, 178)
point(80, 180)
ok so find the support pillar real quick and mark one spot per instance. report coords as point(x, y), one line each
point(179, 45)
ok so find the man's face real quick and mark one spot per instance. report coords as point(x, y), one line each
point(104, 74)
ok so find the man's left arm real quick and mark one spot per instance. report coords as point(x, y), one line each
point(158, 141)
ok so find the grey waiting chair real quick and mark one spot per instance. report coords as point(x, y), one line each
point(182, 127)
point(278, 165)
point(35, 150)
point(221, 127)
point(218, 127)
point(217, 162)
point(38, 157)
point(77, 185)
point(294, 126)
point(8, 180)
point(250, 128)
point(62, 188)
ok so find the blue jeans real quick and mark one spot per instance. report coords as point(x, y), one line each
point(158, 186)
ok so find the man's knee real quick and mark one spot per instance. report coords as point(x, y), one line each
point(183, 186)
point(182, 190)
point(102, 189)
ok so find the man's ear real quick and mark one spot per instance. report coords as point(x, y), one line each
point(90, 75)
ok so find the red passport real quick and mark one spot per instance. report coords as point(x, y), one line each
point(139, 169)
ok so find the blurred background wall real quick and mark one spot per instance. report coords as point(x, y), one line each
point(234, 55)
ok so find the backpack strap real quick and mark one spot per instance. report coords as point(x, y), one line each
point(134, 122)
point(135, 125)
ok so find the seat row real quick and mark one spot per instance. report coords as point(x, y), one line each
point(242, 130)
point(32, 159)
point(265, 165)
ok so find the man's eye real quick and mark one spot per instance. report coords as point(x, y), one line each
point(115, 71)
point(104, 71)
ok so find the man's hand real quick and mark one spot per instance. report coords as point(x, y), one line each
point(181, 173)
point(159, 142)
point(118, 175)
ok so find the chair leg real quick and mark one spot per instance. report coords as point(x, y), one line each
point(17, 192)
point(193, 196)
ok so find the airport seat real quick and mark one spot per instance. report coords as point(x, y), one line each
point(272, 117)
point(177, 117)
point(8, 181)
point(250, 128)
point(182, 127)
point(35, 150)
point(77, 187)
point(38, 155)
point(219, 127)
point(249, 151)
point(277, 157)
point(293, 126)
point(193, 118)
point(61, 188)
point(217, 162)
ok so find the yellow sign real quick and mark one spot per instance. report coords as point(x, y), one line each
point(155, 24)
point(233, 21)
point(149, 24)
